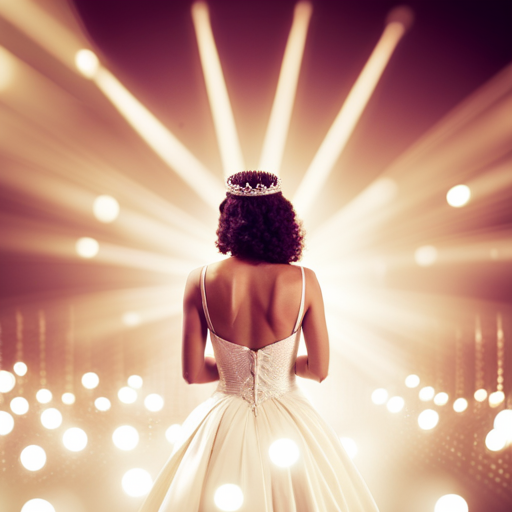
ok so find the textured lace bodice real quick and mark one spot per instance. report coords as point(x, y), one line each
point(255, 375)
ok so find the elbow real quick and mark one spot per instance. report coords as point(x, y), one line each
point(189, 379)
point(322, 376)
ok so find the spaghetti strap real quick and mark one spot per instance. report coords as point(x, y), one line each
point(203, 299)
point(301, 308)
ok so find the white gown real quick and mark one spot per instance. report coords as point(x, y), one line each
point(226, 440)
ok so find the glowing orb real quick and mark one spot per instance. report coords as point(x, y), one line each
point(451, 503)
point(19, 405)
point(68, 398)
point(427, 393)
point(131, 319)
point(74, 439)
point(106, 209)
point(458, 196)
point(38, 505)
point(283, 452)
point(428, 419)
point(441, 398)
point(425, 256)
point(460, 405)
point(20, 368)
point(496, 440)
point(395, 404)
point(154, 402)
point(90, 380)
point(228, 497)
point(503, 422)
point(125, 437)
point(379, 396)
point(137, 482)
point(87, 63)
point(480, 395)
point(102, 404)
point(51, 418)
point(127, 395)
point(135, 381)
point(7, 381)
point(350, 446)
point(172, 433)
point(412, 381)
point(496, 398)
point(33, 457)
point(6, 423)
point(87, 247)
point(43, 396)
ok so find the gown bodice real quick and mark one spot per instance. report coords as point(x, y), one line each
point(255, 375)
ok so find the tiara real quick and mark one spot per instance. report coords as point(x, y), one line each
point(258, 190)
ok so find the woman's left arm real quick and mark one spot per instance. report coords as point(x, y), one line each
point(197, 368)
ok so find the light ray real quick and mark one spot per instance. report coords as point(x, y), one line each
point(277, 130)
point(347, 118)
point(229, 145)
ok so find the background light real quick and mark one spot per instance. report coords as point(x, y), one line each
point(172, 433)
point(228, 497)
point(154, 402)
point(74, 439)
point(19, 405)
point(395, 404)
point(38, 505)
point(441, 398)
point(451, 503)
point(87, 247)
point(458, 196)
point(379, 396)
point(43, 396)
point(427, 393)
point(460, 405)
point(131, 319)
point(33, 457)
point(20, 368)
point(127, 395)
point(496, 398)
point(6, 423)
point(90, 380)
point(425, 256)
point(137, 482)
point(87, 63)
point(68, 398)
point(428, 419)
point(503, 422)
point(350, 446)
point(102, 404)
point(135, 381)
point(496, 440)
point(51, 418)
point(106, 209)
point(412, 381)
point(283, 452)
point(125, 437)
point(7, 381)
point(480, 395)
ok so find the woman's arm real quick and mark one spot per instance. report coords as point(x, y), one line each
point(197, 368)
point(315, 365)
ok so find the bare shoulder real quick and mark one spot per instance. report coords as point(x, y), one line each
point(192, 288)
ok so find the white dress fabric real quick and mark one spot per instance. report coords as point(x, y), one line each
point(226, 440)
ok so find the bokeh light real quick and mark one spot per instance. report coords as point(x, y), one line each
point(6, 423)
point(503, 422)
point(90, 380)
point(425, 256)
point(87, 247)
point(284, 452)
point(173, 432)
point(426, 393)
point(102, 404)
point(19, 405)
point(350, 446)
point(87, 63)
point(228, 497)
point(460, 405)
point(428, 419)
point(451, 503)
point(154, 402)
point(131, 318)
point(125, 437)
point(68, 398)
point(127, 395)
point(135, 381)
point(33, 457)
point(7, 381)
point(75, 439)
point(51, 418)
point(480, 395)
point(441, 398)
point(395, 404)
point(496, 398)
point(412, 381)
point(458, 196)
point(38, 505)
point(137, 482)
point(379, 396)
point(20, 368)
point(106, 209)
point(43, 396)
point(496, 440)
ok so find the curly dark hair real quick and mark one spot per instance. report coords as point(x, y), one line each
point(262, 227)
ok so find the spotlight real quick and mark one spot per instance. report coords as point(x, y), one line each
point(90, 380)
point(106, 209)
point(20, 368)
point(458, 196)
point(33, 458)
point(19, 405)
point(6, 423)
point(283, 452)
point(426, 255)
point(68, 398)
point(7, 381)
point(43, 396)
point(412, 381)
point(451, 503)
point(74, 439)
point(228, 497)
point(137, 482)
point(87, 63)
point(87, 247)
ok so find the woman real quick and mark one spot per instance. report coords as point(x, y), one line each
point(257, 444)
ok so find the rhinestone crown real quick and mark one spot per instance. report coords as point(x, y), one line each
point(258, 190)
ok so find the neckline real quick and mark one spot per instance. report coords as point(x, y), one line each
point(255, 349)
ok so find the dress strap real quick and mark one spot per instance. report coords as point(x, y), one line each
point(203, 298)
point(301, 308)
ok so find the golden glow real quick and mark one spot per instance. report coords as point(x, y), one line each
point(428, 419)
point(480, 395)
point(19, 405)
point(68, 398)
point(6, 423)
point(7, 381)
point(496, 398)
point(43, 396)
point(230, 151)
point(135, 381)
point(412, 381)
point(460, 405)
point(131, 319)
point(137, 482)
point(90, 380)
point(277, 130)
point(75, 439)
point(346, 120)
point(395, 404)
point(503, 422)
point(496, 440)
point(38, 505)
point(154, 402)
point(451, 503)
point(127, 395)
point(441, 398)
point(87, 63)
point(105, 208)
point(228, 497)
point(126, 437)
point(51, 418)
point(350, 446)
point(87, 247)
point(427, 393)
point(458, 196)
point(102, 404)
point(379, 396)
point(20, 368)
point(426, 255)
point(33, 458)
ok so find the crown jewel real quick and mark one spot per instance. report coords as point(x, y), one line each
point(248, 191)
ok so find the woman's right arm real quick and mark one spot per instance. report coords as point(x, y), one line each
point(315, 365)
